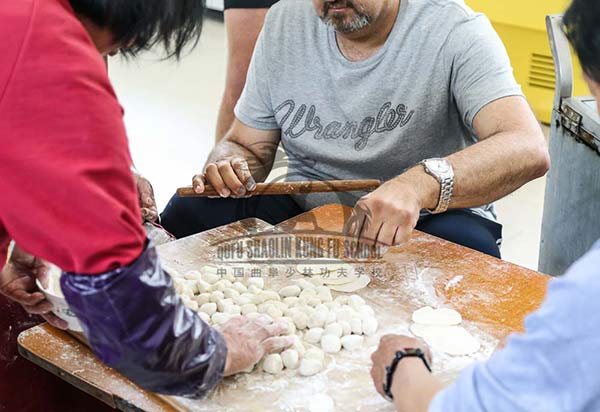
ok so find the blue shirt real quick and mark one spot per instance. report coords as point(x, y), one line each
point(553, 367)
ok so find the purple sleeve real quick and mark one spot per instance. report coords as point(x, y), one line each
point(136, 324)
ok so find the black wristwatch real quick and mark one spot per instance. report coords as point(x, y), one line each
point(390, 370)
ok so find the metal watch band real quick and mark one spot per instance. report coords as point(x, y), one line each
point(446, 191)
point(391, 370)
point(446, 181)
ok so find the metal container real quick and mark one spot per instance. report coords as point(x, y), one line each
point(571, 222)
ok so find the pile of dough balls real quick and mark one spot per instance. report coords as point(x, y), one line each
point(321, 323)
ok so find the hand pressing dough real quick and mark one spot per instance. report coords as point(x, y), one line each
point(290, 358)
point(352, 342)
point(437, 317)
point(453, 340)
point(358, 284)
point(314, 335)
point(331, 344)
point(273, 364)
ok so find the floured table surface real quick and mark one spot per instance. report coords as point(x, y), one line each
point(493, 296)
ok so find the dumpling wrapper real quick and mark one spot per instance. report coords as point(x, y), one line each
point(453, 340)
point(336, 273)
point(436, 317)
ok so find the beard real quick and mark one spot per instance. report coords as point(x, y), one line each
point(359, 21)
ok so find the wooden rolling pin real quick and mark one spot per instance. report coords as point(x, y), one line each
point(288, 188)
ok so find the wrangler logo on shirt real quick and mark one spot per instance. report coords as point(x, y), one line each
point(304, 120)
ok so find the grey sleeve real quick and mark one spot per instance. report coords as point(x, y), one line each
point(254, 108)
point(481, 68)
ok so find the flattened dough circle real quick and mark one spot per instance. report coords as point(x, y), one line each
point(437, 317)
point(360, 283)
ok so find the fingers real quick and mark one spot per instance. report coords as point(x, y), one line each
point(277, 344)
point(355, 223)
point(149, 215)
point(55, 321)
point(230, 177)
point(41, 308)
point(240, 166)
point(23, 291)
point(213, 177)
point(198, 183)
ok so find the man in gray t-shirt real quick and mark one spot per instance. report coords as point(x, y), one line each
point(357, 89)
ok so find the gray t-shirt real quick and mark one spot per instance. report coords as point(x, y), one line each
point(416, 98)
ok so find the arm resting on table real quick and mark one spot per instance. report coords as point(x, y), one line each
point(136, 324)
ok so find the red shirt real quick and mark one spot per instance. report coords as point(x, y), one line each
point(67, 194)
point(66, 191)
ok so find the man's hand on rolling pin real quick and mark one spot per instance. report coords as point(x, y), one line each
point(230, 177)
point(388, 215)
point(146, 197)
point(413, 386)
point(17, 282)
point(249, 340)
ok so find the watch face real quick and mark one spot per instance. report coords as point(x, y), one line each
point(438, 166)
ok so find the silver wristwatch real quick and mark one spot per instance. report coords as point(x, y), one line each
point(442, 171)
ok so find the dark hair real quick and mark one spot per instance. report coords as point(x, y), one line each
point(141, 24)
point(582, 27)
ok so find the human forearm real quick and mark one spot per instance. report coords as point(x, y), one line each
point(414, 387)
point(136, 324)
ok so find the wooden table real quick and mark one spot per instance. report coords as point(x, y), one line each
point(496, 295)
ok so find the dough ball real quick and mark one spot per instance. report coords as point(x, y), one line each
point(291, 326)
point(308, 293)
point(304, 284)
point(369, 326)
point(254, 290)
point(317, 320)
point(192, 304)
point(231, 293)
point(331, 318)
point(300, 320)
point(223, 304)
point(346, 328)
point(314, 353)
point(352, 342)
point(203, 286)
point(193, 275)
point(202, 298)
point(273, 364)
point(355, 301)
point(253, 315)
point(233, 309)
point(209, 308)
point(334, 329)
point(248, 308)
point(310, 366)
point(271, 295)
point(290, 291)
point(356, 326)
point(242, 300)
point(324, 293)
point(291, 300)
point(216, 296)
point(211, 278)
point(331, 344)
point(437, 317)
point(365, 311)
point(219, 318)
point(257, 282)
point(345, 313)
point(313, 301)
point(313, 335)
point(222, 285)
point(290, 358)
point(239, 286)
point(342, 300)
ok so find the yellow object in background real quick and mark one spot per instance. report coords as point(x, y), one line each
point(522, 27)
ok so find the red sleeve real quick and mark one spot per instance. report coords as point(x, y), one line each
point(67, 192)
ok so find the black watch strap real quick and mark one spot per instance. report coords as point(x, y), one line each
point(391, 370)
